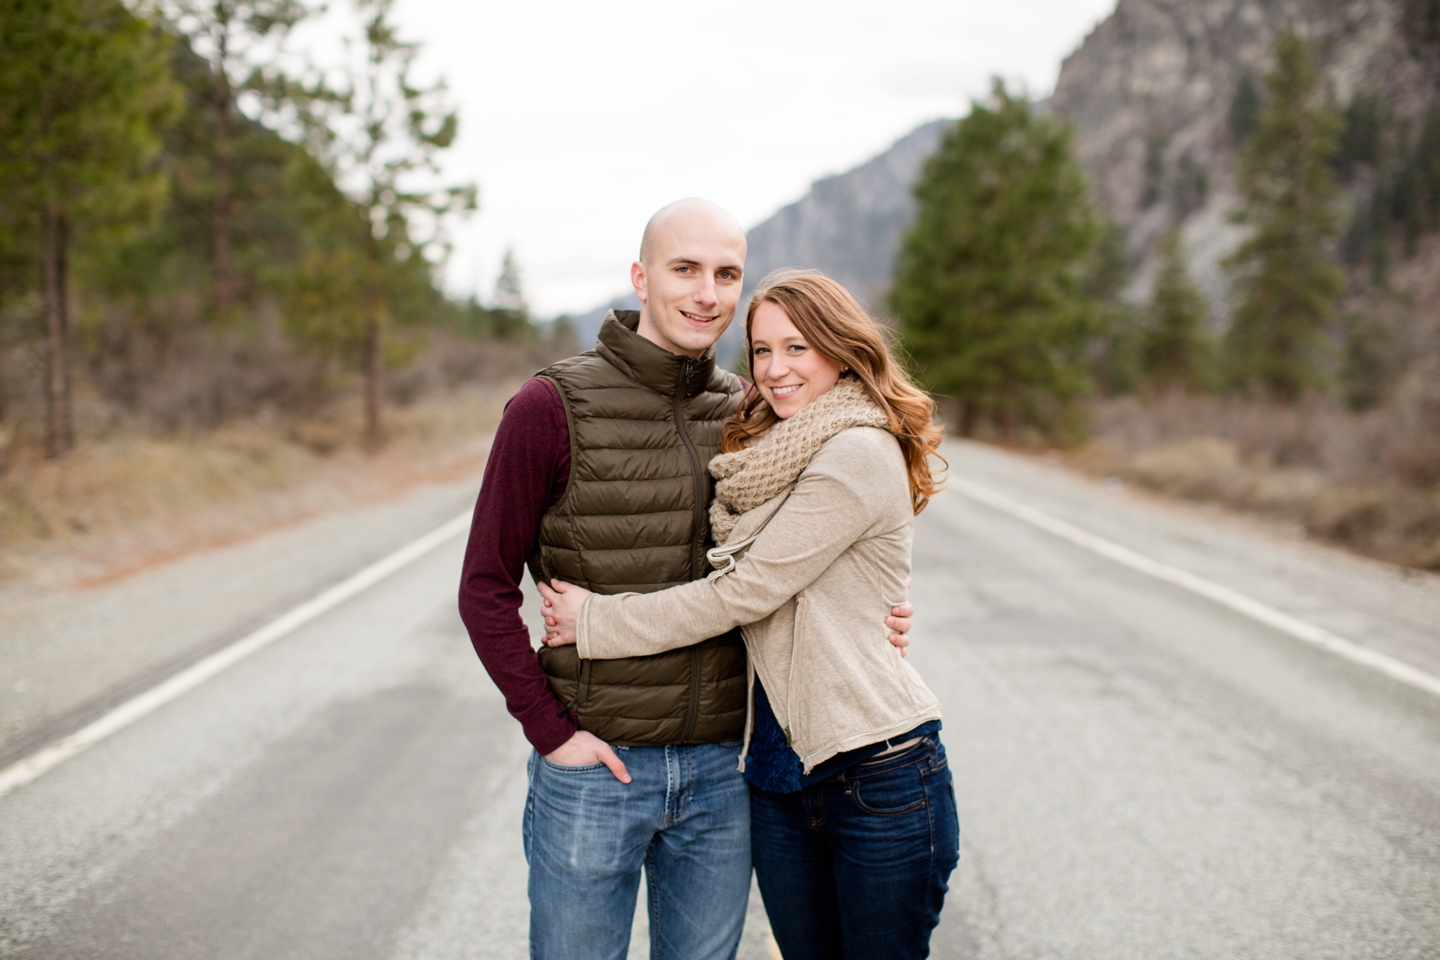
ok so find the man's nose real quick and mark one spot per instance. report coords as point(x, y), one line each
point(705, 293)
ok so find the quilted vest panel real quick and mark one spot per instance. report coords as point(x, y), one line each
point(643, 423)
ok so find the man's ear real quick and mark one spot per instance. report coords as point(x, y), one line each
point(637, 279)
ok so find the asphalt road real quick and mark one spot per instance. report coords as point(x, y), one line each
point(1140, 772)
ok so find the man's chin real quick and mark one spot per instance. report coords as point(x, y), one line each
point(699, 337)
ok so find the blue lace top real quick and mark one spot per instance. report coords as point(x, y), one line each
point(772, 766)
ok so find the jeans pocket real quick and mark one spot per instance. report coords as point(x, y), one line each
point(566, 768)
point(891, 793)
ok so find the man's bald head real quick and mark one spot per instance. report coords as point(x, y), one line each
point(688, 277)
point(688, 216)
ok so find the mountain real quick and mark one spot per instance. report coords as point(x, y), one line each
point(1149, 94)
point(848, 225)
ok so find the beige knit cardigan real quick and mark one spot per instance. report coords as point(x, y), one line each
point(817, 568)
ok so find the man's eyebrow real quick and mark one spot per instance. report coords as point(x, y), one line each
point(689, 262)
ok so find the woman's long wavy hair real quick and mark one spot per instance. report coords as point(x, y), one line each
point(832, 322)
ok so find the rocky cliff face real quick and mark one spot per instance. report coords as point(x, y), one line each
point(848, 225)
point(1149, 93)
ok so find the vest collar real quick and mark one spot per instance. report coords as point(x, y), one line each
point(647, 363)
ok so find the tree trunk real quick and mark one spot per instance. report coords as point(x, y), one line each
point(220, 211)
point(374, 379)
point(55, 238)
point(969, 417)
point(1007, 416)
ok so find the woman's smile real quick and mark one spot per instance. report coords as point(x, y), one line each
point(790, 373)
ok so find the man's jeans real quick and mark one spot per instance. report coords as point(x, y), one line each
point(857, 865)
point(684, 817)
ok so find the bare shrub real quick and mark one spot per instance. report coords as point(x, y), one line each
point(1367, 481)
point(198, 377)
point(446, 362)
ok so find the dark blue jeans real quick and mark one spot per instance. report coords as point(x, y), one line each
point(857, 866)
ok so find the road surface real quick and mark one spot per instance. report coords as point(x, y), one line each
point(1140, 771)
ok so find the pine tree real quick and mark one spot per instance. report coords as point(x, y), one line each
point(1175, 351)
point(234, 36)
point(509, 292)
point(1244, 110)
point(380, 134)
point(1115, 340)
point(1288, 280)
point(85, 91)
point(990, 280)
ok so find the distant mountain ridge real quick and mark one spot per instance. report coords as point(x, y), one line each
point(1148, 93)
point(847, 225)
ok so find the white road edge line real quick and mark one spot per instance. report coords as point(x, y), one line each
point(46, 759)
point(1239, 602)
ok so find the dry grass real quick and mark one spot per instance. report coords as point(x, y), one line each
point(135, 498)
point(1369, 482)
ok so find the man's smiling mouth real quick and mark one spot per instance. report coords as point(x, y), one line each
point(697, 318)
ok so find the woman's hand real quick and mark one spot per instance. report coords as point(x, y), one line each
point(562, 603)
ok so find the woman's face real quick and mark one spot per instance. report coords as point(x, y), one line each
point(788, 371)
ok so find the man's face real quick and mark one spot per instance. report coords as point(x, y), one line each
point(689, 283)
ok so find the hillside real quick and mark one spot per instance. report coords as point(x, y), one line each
point(849, 225)
point(1149, 94)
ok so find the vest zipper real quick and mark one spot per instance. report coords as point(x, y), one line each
point(697, 540)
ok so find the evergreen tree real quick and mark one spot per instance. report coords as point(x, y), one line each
point(380, 134)
point(1115, 343)
point(511, 316)
point(1288, 280)
point(509, 292)
point(233, 36)
point(1175, 350)
point(85, 92)
point(990, 283)
point(1244, 110)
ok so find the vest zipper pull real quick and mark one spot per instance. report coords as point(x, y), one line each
point(788, 742)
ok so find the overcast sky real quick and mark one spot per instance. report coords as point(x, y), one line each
point(578, 119)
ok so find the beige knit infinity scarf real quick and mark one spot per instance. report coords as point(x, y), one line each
point(749, 477)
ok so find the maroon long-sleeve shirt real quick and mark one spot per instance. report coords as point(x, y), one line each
point(526, 474)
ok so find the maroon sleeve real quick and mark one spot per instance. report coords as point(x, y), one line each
point(526, 473)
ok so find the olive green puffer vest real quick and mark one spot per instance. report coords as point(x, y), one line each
point(644, 424)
